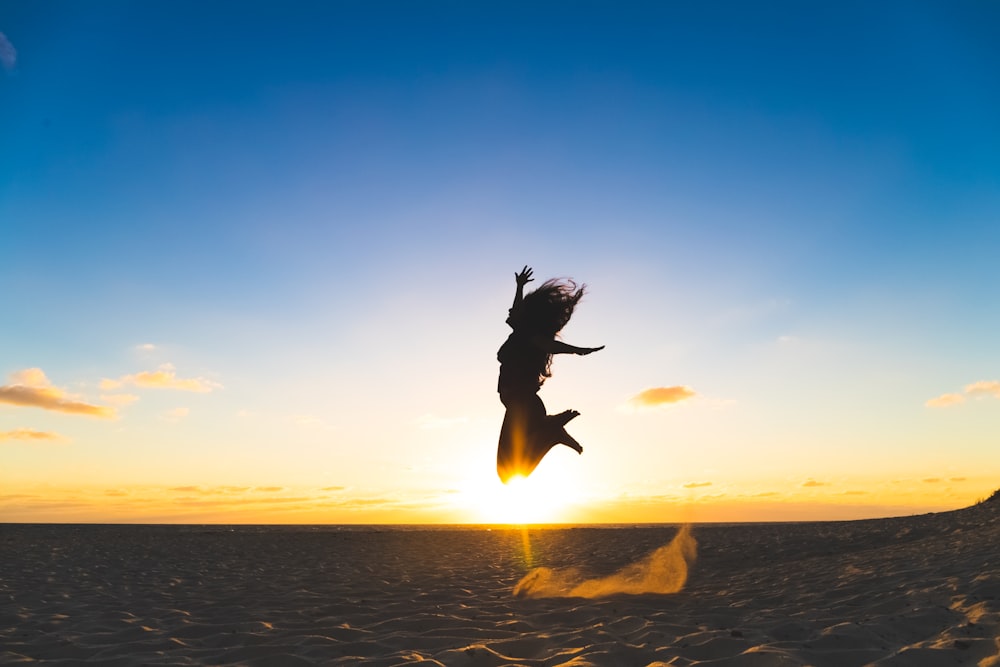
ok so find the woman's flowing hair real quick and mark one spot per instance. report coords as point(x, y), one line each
point(546, 310)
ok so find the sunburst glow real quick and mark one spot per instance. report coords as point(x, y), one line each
point(542, 498)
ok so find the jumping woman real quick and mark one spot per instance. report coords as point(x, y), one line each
point(528, 433)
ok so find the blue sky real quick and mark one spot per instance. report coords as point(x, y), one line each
point(316, 210)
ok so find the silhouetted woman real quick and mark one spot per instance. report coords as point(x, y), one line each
point(528, 433)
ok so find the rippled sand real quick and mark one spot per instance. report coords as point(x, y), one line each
point(921, 591)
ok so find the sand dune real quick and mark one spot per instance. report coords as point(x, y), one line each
point(921, 591)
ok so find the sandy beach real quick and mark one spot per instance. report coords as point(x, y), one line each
point(922, 591)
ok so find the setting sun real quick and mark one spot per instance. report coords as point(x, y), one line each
point(544, 497)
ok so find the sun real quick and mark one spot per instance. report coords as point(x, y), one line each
point(544, 497)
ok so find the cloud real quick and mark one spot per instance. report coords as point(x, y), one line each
point(984, 388)
point(334, 488)
point(8, 54)
point(163, 378)
point(933, 480)
point(145, 347)
point(658, 396)
point(176, 414)
point(30, 377)
point(30, 388)
point(695, 485)
point(119, 400)
point(811, 483)
point(215, 490)
point(975, 390)
point(944, 400)
point(28, 434)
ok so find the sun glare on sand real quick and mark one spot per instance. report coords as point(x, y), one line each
point(543, 497)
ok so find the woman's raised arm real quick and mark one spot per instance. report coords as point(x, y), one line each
point(522, 278)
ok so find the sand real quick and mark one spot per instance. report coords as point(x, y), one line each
point(922, 591)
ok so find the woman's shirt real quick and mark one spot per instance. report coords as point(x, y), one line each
point(522, 364)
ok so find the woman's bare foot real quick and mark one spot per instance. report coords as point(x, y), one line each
point(565, 417)
point(568, 440)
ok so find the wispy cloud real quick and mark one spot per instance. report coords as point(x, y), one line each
point(119, 400)
point(218, 504)
point(696, 485)
point(30, 377)
point(811, 483)
point(984, 388)
point(975, 390)
point(176, 414)
point(944, 400)
point(657, 396)
point(213, 490)
point(31, 388)
point(8, 54)
point(165, 377)
point(29, 434)
point(145, 347)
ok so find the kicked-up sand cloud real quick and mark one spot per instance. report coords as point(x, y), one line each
point(662, 572)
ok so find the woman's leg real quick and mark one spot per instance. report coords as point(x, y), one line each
point(511, 443)
point(527, 435)
point(559, 422)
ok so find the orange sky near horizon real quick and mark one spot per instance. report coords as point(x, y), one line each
point(484, 502)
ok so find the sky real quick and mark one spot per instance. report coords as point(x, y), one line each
point(256, 258)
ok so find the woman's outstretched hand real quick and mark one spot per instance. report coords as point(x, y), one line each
point(587, 350)
point(524, 277)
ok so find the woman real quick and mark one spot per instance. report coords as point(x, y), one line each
point(528, 433)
